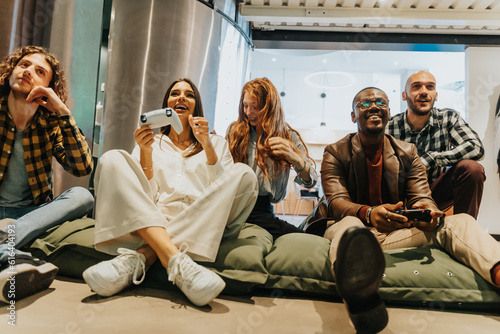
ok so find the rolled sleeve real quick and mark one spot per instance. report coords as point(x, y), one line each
point(312, 174)
point(214, 171)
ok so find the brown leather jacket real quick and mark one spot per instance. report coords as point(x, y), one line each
point(344, 179)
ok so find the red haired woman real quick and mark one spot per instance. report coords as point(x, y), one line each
point(263, 140)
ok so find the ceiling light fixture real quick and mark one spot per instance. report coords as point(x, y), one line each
point(330, 79)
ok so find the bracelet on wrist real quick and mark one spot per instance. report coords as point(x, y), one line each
point(300, 170)
point(147, 168)
point(368, 214)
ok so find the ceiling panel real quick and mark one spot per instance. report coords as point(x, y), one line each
point(482, 4)
point(476, 17)
point(443, 4)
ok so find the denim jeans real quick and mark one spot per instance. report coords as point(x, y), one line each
point(32, 221)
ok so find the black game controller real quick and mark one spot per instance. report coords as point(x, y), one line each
point(415, 214)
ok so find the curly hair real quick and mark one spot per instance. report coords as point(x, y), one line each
point(57, 83)
point(271, 123)
point(198, 112)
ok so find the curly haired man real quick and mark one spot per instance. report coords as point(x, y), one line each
point(35, 126)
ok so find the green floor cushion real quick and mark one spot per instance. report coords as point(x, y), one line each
point(413, 276)
point(295, 262)
point(300, 262)
point(239, 262)
point(242, 260)
point(430, 276)
point(70, 247)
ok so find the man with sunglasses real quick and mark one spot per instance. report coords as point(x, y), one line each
point(366, 177)
point(446, 144)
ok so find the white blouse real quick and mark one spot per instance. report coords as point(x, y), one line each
point(177, 181)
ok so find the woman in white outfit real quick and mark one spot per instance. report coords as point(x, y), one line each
point(174, 199)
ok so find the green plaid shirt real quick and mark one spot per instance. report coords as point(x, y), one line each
point(46, 136)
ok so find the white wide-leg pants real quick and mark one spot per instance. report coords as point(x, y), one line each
point(125, 203)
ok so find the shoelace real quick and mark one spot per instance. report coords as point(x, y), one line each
point(140, 265)
point(176, 270)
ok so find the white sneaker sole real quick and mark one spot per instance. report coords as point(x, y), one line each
point(92, 278)
point(210, 294)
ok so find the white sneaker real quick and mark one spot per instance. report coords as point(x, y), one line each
point(107, 278)
point(199, 284)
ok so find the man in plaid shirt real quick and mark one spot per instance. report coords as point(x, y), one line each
point(446, 144)
point(35, 126)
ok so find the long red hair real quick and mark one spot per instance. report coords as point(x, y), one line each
point(271, 123)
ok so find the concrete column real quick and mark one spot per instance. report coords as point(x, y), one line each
point(151, 44)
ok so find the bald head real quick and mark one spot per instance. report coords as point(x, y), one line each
point(420, 93)
point(419, 76)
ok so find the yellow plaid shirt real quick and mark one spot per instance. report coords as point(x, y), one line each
point(46, 136)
